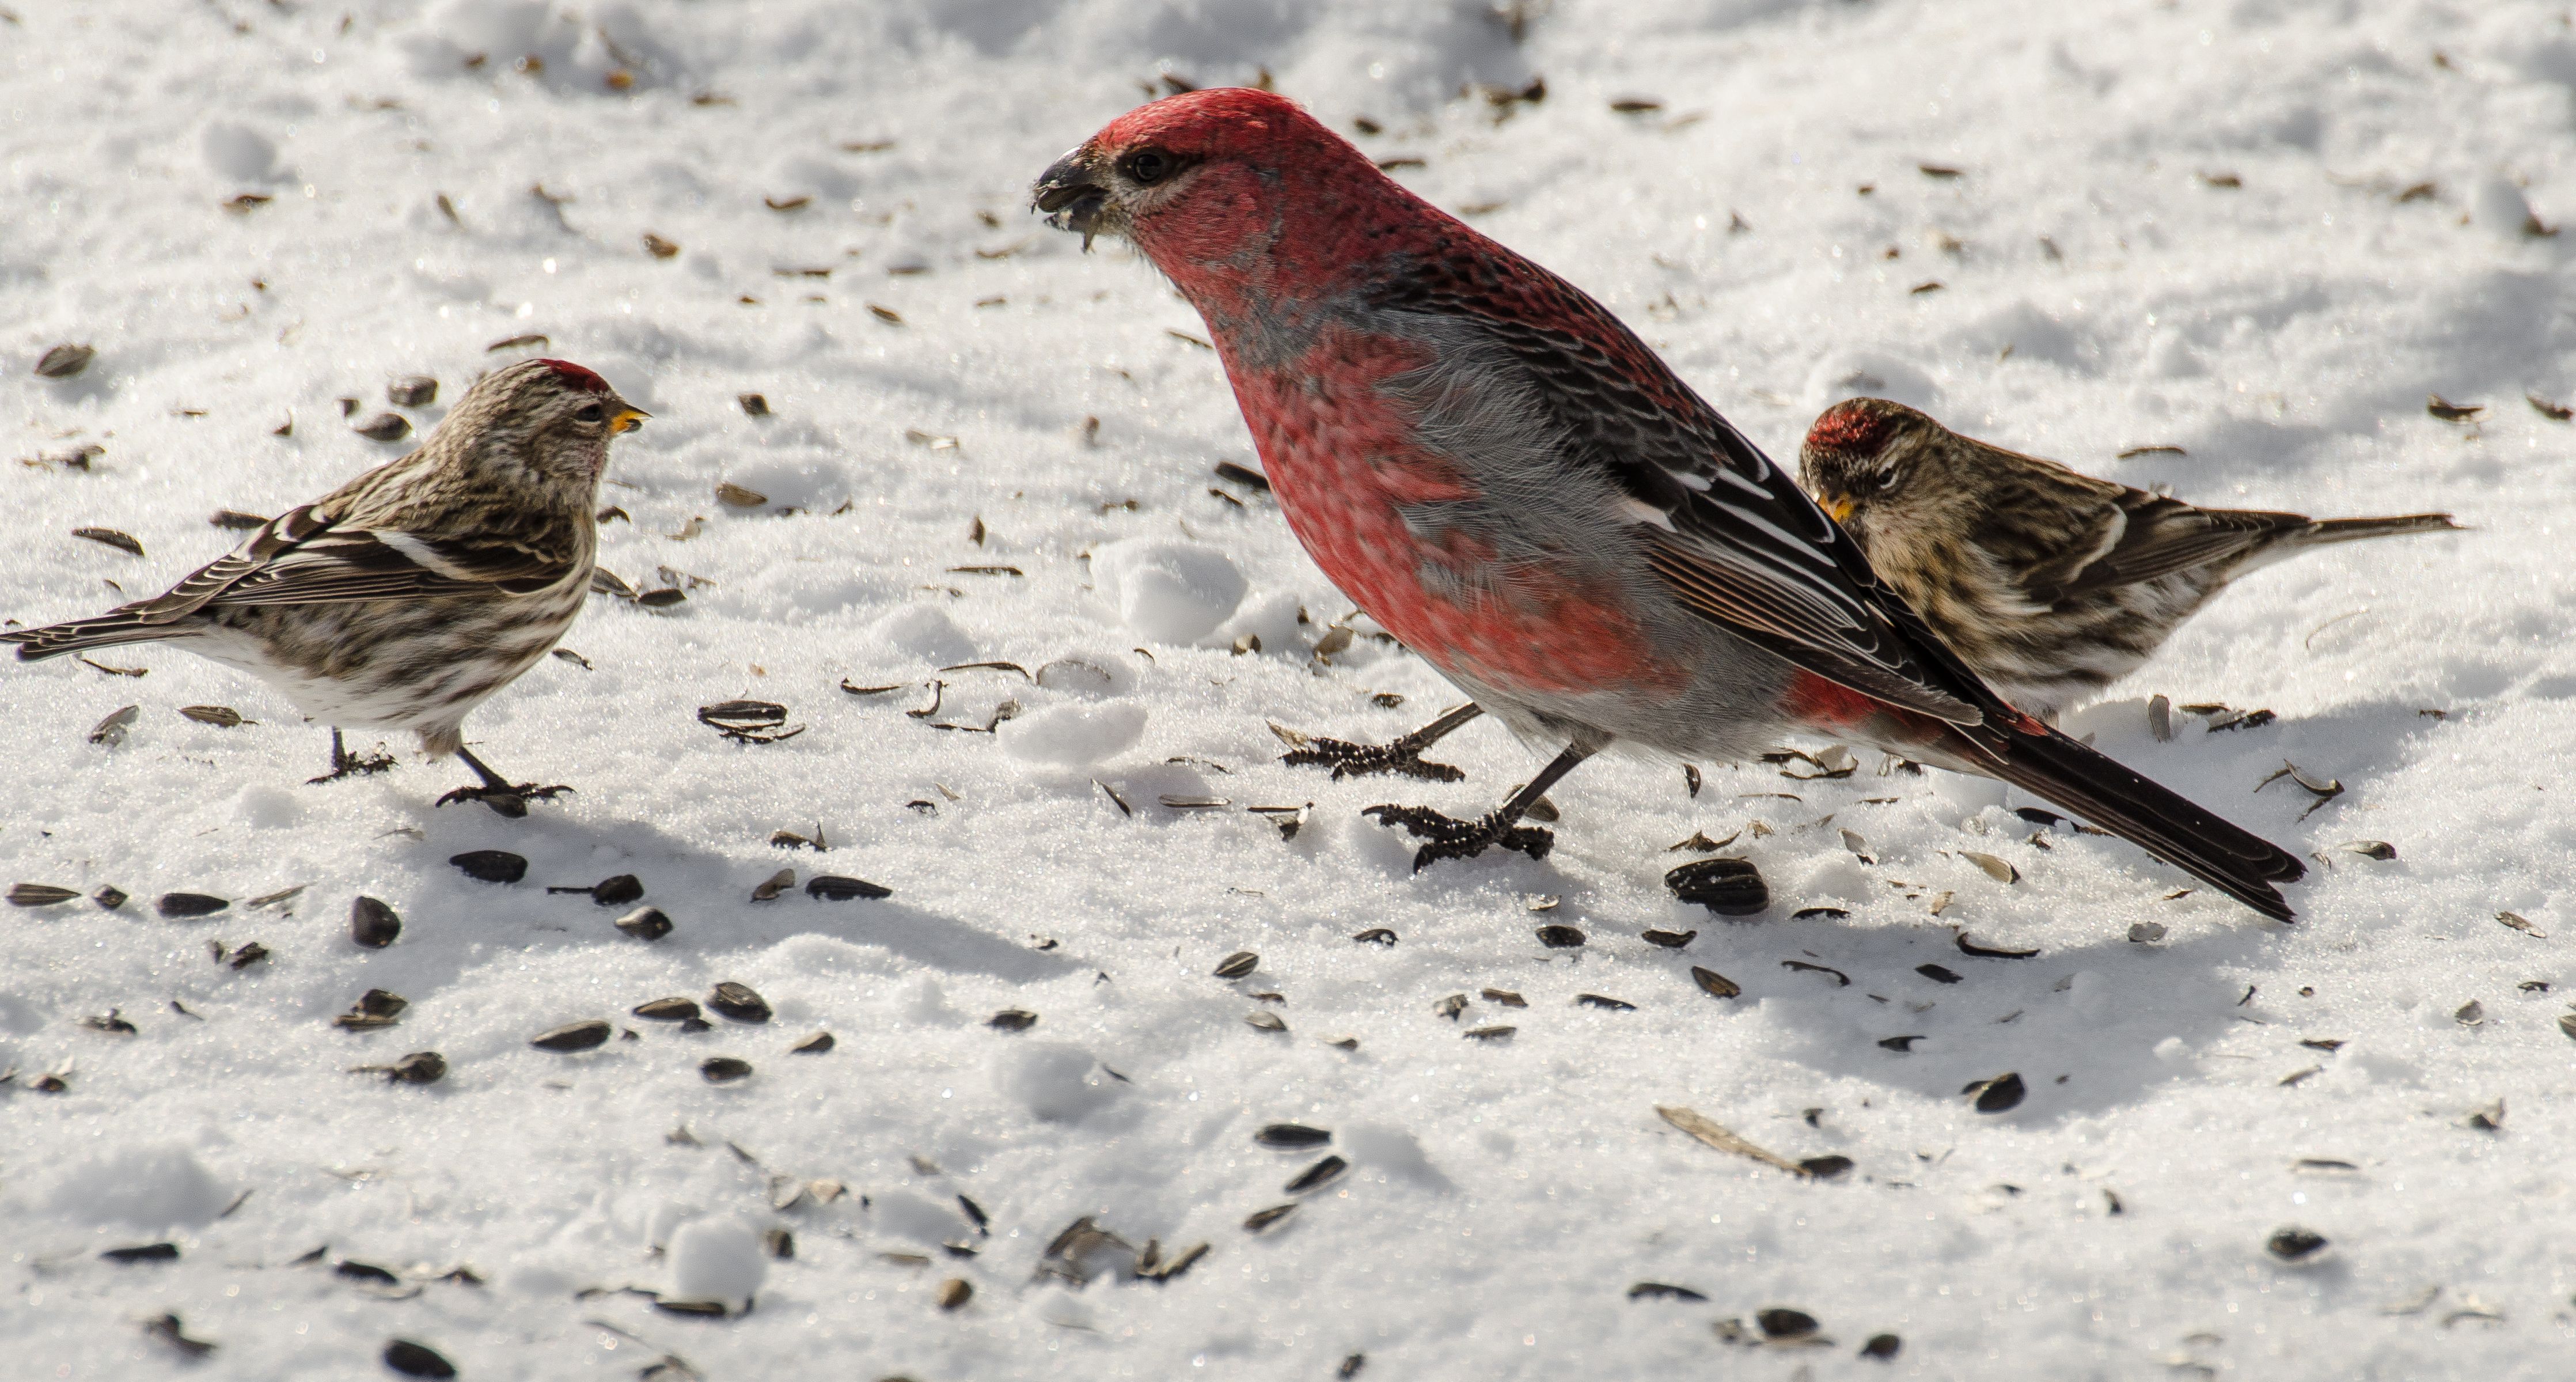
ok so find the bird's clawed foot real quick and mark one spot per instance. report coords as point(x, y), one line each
point(1451, 838)
point(508, 799)
point(347, 764)
point(1402, 757)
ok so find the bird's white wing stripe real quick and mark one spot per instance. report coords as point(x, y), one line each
point(425, 556)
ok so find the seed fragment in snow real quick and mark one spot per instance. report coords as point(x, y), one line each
point(575, 1036)
point(2294, 1244)
point(645, 924)
point(1317, 1176)
point(1238, 964)
point(178, 906)
point(1937, 974)
point(769, 888)
point(1506, 997)
point(64, 361)
point(1714, 984)
point(1669, 940)
point(1996, 1095)
point(1560, 937)
point(416, 1360)
point(39, 895)
point(1292, 1135)
point(420, 1067)
point(110, 732)
point(667, 1009)
point(1711, 1133)
point(110, 537)
point(2146, 932)
point(833, 887)
point(1660, 1290)
point(1988, 952)
point(1375, 935)
point(1264, 1218)
point(2519, 923)
point(412, 391)
point(1012, 1020)
point(1997, 869)
point(1881, 1347)
point(491, 865)
point(1841, 980)
point(954, 1293)
point(814, 1045)
point(1599, 1000)
point(1728, 887)
point(740, 1002)
point(1265, 1021)
point(383, 427)
point(724, 1069)
point(1490, 1033)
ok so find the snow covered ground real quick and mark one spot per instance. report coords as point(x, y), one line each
point(2260, 232)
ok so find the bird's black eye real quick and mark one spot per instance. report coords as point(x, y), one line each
point(1887, 479)
point(592, 412)
point(1148, 166)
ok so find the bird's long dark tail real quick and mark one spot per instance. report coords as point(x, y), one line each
point(2326, 530)
point(2041, 761)
point(105, 631)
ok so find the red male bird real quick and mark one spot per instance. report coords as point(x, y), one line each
point(1510, 482)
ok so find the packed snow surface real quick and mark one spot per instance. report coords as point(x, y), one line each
point(2229, 247)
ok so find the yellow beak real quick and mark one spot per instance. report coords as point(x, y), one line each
point(628, 419)
point(1840, 509)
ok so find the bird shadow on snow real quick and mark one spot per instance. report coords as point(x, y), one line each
point(706, 894)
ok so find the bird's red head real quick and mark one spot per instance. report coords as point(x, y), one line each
point(577, 377)
point(1857, 427)
point(1854, 453)
point(1223, 184)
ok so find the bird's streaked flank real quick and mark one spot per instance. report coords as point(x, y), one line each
point(1510, 482)
point(408, 596)
point(2050, 583)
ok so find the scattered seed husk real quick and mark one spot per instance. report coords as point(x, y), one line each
point(723, 1069)
point(2448, 411)
point(113, 1022)
point(1995, 1095)
point(64, 361)
point(833, 887)
point(658, 247)
point(419, 1067)
point(706, 1309)
point(814, 1045)
point(2146, 932)
point(247, 956)
point(1841, 980)
point(2380, 850)
point(1988, 952)
point(1450, 1006)
point(674, 1009)
point(2558, 412)
point(1780, 1323)
point(1264, 1218)
point(112, 538)
point(749, 722)
point(412, 391)
point(645, 924)
point(574, 1036)
point(169, 1331)
point(416, 1360)
point(2488, 1119)
point(39, 895)
point(1937, 974)
point(1238, 964)
point(2294, 1244)
point(1713, 1134)
point(1669, 940)
point(1881, 1347)
point(145, 1252)
point(1506, 997)
point(1997, 869)
point(1560, 937)
point(1375, 935)
point(383, 427)
point(1292, 1136)
point(728, 492)
point(2470, 1014)
point(769, 889)
point(739, 1002)
point(111, 731)
point(1317, 1176)
point(1489, 1033)
point(2567, 1025)
point(954, 1293)
point(1012, 1020)
point(1265, 1021)
point(1604, 1001)
point(110, 897)
point(491, 865)
point(1714, 984)
point(1660, 1290)
point(2512, 919)
point(178, 906)
point(1728, 887)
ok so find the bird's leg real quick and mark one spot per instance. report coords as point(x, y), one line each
point(1451, 838)
point(347, 764)
point(506, 798)
point(1403, 756)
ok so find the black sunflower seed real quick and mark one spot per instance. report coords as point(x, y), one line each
point(1560, 937)
point(575, 1036)
point(1881, 1347)
point(667, 1009)
point(112, 538)
point(1451, 1006)
point(1714, 984)
point(221, 716)
point(1490, 1033)
point(179, 905)
point(739, 1002)
point(1661, 1290)
point(113, 1022)
point(39, 895)
point(724, 1069)
point(708, 1309)
point(1375, 935)
point(1825, 1167)
point(833, 887)
point(111, 897)
point(1780, 1322)
point(368, 1272)
point(1728, 887)
point(1238, 964)
point(1012, 1020)
point(1598, 1000)
point(379, 1003)
point(249, 955)
point(146, 1252)
point(412, 391)
point(779, 1243)
point(2002, 1092)
point(416, 1360)
point(491, 865)
point(383, 427)
point(1937, 974)
point(645, 924)
point(420, 1067)
point(1264, 1218)
point(2294, 1243)
point(64, 361)
point(617, 891)
point(814, 1045)
point(1669, 940)
point(1292, 1135)
point(1316, 1176)
point(1828, 913)
point(235, 520)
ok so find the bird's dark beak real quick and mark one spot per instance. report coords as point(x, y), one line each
point(1070, 196)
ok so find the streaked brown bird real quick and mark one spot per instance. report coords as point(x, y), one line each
point(408, 596)
point(2050, 583)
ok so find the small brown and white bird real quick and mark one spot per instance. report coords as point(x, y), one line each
point(2050, 583)
point(408, 596)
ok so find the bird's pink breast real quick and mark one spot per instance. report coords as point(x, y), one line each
point(1345, 464)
